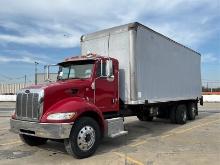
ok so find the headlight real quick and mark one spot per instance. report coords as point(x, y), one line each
point(61, 116)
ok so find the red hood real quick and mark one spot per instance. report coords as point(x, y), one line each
point(54, 92)
point(73, 83)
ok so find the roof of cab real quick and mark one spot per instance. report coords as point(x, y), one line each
point(89, 57)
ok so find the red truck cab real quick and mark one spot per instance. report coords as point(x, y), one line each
point(73, 108)
point(83, 84)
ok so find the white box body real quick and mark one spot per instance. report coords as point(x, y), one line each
point(153, 68)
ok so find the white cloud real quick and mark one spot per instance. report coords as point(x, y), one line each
point(210, 58)
point(183, 34)
point(45, 22)
point(5, 59)
point(43, 40)
point(22, 56)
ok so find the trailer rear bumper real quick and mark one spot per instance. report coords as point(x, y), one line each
point(44, 130)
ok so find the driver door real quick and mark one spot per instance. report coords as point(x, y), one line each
point(106, 88)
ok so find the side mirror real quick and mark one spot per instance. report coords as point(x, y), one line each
point(109, 68)
point(60, 74)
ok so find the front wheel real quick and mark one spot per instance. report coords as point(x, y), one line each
point(84, 138)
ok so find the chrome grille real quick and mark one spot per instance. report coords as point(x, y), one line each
point(28, 106)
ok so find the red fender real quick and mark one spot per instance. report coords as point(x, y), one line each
point(73, 104)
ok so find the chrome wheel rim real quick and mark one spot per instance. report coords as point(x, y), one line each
point(86, 138)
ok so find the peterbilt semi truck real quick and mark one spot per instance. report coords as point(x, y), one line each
point(129, 70)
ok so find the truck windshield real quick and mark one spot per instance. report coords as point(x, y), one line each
point(75, 70)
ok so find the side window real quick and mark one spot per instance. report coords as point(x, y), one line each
point(98, 71)
point(112, 70)
point(72, 73)
point(65, 71)
point(103, 69)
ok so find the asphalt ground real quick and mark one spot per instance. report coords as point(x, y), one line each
point(150, 143)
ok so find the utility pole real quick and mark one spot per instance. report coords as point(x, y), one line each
point(207, 87)
point(36, 63)
point(25, 80)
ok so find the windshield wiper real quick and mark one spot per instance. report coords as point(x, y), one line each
point(78, 78)
point(74, 78)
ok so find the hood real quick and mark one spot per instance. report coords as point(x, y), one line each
point(68, 83)
point(58, 84)
point(60, 87)
point(54, 92)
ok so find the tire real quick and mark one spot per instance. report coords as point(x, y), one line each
point(181, 114)
point(173, 114)
point(85, 130)
point(145, 117)
point(192, 110)
point(140, 117)
point(148, 118)
point(32, 140)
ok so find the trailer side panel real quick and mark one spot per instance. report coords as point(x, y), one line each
point(166, 71)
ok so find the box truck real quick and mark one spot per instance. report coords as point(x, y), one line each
point(129, 70)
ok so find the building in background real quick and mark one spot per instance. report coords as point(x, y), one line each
point(11, 88)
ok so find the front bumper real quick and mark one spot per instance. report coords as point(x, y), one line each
point(44, 130)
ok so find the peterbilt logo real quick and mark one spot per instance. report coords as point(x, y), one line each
point(27, 91)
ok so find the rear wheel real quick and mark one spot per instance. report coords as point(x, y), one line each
point(84, 138)
point(32, 140)
point(149, 118)
point(173, 114)
point(181, 114)
point(192, 109)
point(143, 117)
point(140, 117)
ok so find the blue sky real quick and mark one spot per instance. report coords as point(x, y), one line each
point(47, 31)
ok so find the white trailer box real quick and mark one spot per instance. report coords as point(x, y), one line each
point(153, 68)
